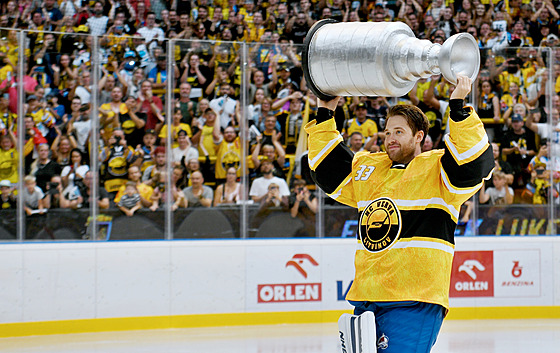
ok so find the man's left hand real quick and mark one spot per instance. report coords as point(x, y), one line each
point(462, 89)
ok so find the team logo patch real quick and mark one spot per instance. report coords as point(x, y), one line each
point(383, 342)
point(380, 225)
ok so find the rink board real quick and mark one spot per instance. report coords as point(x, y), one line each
point(48, 288)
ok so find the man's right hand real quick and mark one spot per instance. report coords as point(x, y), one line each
point(331, 105)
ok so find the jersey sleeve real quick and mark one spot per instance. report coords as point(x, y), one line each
point(468, 158)
point(330, 160)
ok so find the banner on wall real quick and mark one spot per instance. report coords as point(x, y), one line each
point(287, 278)
point(497, 273)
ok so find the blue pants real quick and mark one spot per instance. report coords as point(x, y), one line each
point(404, 327)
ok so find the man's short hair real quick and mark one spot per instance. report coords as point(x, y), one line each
point(415, 118)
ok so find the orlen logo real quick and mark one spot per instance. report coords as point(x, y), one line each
point(292, 292)
point(298, 260)
point(472, 274)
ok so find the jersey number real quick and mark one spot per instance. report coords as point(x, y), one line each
point(364, 172)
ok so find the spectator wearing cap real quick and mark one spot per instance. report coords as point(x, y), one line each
point(184, 151)
point(43, 118)
point(158, 75)
point(518, 145)
point(153, 35)
point(98, 22)
point(7, 198)
point(361, 124)
point(177, 125)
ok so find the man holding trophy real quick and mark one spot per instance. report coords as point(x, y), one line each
point(408, 201)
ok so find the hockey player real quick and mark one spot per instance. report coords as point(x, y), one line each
point(408, 203)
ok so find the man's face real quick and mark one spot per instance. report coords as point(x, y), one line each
point(76, 104)
point(160, 159)
point(197, 179)
point(116, 94)
point(266, 167)
point(495, 150)
point(185, 90)
point(356, 142)
point(224, 89)
point(150, 21)
point(400, 142)
point(134, 174)
point(202, 13)
point(149, 139)
point(361, 114)
point(86, 78)
point(270, 122)
point(29, 123)
point(258, 78)
point(229, 134)
point(146, 86)
point(6, 143)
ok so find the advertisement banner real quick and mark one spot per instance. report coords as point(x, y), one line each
point(472, 274)
point(288, 278)
point(517, 273)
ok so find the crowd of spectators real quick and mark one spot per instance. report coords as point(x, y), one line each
point(207, 118)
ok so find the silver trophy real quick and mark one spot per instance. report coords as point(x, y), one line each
point(380, 59)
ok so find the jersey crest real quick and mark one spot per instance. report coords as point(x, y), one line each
point(380, 225)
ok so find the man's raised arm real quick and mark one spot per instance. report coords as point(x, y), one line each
point(330, 160)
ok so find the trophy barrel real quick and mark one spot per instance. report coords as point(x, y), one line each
point(380, 58)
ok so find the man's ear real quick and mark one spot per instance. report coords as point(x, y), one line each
point(419, 136)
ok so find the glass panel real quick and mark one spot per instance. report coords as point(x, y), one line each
point(514, 100)
point(10, 160)
point(284, 201)
point(132, 120)
point(50, 189)
point(208, 103)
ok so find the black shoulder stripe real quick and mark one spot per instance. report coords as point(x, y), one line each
point(429, 223)
point(332, 171)
point(469, 174)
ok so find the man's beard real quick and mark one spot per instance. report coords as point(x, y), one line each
point(404, 154)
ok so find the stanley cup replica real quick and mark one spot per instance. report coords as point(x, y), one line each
point(380, 59)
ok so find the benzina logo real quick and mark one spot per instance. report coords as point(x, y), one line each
point(289, 292)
